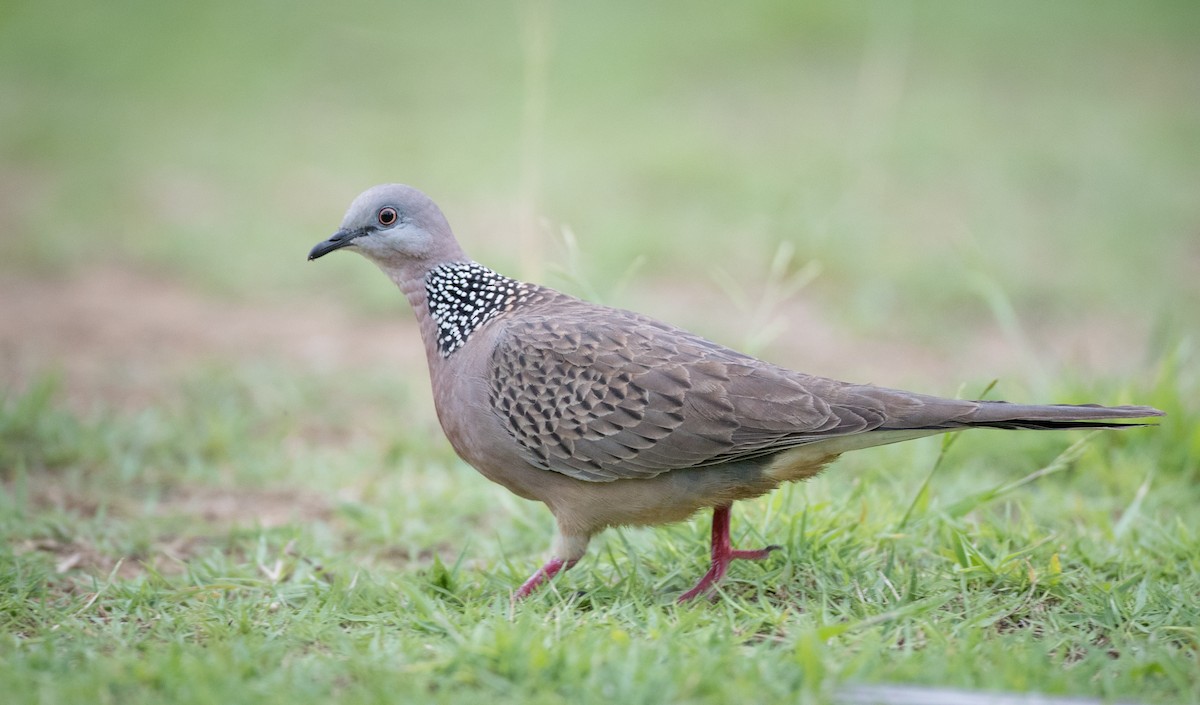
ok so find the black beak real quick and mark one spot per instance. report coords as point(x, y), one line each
point(336, 241)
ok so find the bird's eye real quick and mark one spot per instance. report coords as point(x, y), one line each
point(387, 216)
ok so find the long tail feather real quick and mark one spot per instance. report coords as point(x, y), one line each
point(999, 414)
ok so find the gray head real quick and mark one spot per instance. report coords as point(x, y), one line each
point(395, 226)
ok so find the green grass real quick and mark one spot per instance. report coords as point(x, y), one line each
point(1081, 581)
point(255, 530)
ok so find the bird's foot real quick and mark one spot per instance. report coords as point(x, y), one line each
point(553, 567)
point(720, 565)
point(722, 555)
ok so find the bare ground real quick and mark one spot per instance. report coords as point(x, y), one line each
point(118, 336)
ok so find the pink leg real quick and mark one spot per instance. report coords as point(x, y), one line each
point(723, 554)
point(553, 567)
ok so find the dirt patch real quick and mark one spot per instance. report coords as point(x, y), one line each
point(225, 506)
point(265, 508)
point(119, 336)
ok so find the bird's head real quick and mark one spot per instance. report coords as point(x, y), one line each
point(395, 226)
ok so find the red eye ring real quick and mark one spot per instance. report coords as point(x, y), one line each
point(387, 216)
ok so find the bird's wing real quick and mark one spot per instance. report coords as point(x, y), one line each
point(601, 394)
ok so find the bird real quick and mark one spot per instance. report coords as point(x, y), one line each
point(612, 418)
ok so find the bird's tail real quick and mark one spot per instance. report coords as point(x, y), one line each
point(916, 415)
point(1000, 414)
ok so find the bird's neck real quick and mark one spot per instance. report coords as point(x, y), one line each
point(455, 299)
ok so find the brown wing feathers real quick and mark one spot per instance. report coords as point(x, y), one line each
point(610, 396)
point(602, 394)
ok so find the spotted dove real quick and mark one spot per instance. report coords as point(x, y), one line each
point(613, 418)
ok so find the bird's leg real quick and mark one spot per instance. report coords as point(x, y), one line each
point(553, 567)
point(722, 554)
point(569, 546)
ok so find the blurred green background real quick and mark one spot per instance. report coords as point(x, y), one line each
point(222, 476)
point(919, 152)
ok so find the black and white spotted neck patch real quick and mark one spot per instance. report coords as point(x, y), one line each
point(465, 295)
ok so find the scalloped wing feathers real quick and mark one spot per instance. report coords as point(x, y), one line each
point(603, 394)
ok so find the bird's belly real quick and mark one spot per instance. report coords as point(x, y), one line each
point(669, 497)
